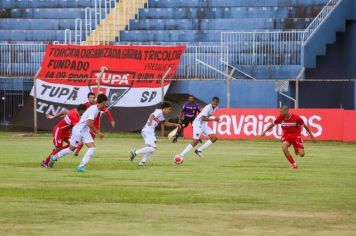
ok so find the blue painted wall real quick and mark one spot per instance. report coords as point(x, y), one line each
point(244, 93)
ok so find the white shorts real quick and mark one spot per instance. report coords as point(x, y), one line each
point(150, 138)
point(77, 137)
point(198, 130)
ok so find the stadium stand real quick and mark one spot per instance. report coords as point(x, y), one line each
point(263, 39)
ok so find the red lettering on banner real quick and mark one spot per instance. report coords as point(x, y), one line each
point(326, 124)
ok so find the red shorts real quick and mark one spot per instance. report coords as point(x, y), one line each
point(296, 141)
point(60, 136)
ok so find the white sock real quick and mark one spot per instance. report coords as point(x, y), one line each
point(90, 152)
point(205, 145)
point(144, 150)
point(146, 157)
point(186, 150)
point(62, 153)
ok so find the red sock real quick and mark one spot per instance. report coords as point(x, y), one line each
point(290, 159)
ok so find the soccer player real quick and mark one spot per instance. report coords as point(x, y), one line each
point(81, 134)
point(292, 127)
point(200, 126)
point(90, 102)
point(189, 112)
point(61, 132)
point(148, 133)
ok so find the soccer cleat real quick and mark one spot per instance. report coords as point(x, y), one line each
point(81, 169)
point(175, 140)
point(51, 161)
point(199, 153)
point(142, 163)
point(44, 164)
point(133, 155)
point(75, 154)
point(294, 166)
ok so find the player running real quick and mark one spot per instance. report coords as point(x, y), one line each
point(90, 102)
point(200, 126)
point(292, 127)
point(62, 131)
point(81, 134)
point(148, 133)
point(188, 114)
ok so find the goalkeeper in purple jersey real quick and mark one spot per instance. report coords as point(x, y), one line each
point(188, 113)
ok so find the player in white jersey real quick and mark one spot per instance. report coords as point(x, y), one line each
point(148, 132)
point(81, 134)
point(200, 126)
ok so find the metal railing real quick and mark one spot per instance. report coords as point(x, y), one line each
point(211, 55)
point(319, 19)
point(20, 59)
point(25, 59)
point(13, 97)
point(263, 48)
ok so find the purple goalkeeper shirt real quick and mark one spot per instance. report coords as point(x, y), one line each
point(190, 110)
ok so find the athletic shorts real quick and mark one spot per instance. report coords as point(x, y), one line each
point(81, 137)
point(150, 139)
point(185, 122)
point(60, 136)
point(198, 130)
point(296, 141)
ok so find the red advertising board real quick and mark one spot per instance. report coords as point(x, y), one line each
point(326, 124)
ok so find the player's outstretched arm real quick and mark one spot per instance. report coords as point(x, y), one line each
point(210, 118)
point(169, 124)
point(62, 113)
point(110, 117)
point(90, 124)
point(309, 132)
point(268, 128)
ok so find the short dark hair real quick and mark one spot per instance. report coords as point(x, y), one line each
point(285, 107)
point(91, 94)
point(101, 98)
point(81, 107)
point(166, 105)
point(215, 98)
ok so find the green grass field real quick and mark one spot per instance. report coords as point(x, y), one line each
point(241, 188)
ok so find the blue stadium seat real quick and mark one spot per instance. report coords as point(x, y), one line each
point(231, 12)
point(38, 24)
point(9, 4)
point(49, 13)
point(220, 24)
point(33, 35)
point(231, 3)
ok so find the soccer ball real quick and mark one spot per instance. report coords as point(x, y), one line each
point(178, 159)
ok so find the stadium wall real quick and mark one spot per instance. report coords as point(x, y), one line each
point(244, 93)
point(340, 59)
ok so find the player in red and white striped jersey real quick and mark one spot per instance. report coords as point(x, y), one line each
point(89, 103)
point(292, 126)
point(62, 131)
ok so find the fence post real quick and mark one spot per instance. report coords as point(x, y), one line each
point(35, 129)
point(296, 104)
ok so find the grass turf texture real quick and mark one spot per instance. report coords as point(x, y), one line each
point(241, 188)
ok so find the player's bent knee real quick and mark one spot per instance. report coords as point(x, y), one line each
point(195, 142)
